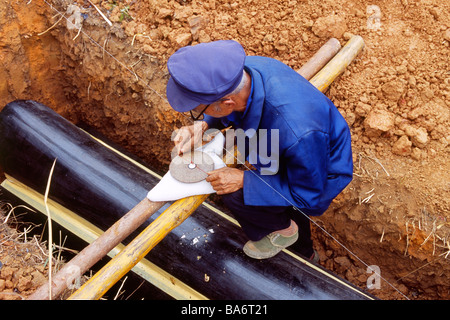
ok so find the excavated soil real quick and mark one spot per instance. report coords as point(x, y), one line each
point(395, 96)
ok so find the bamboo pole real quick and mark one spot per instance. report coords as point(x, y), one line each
point(320, 58)
point(99, 248)
point(125, 260)
point(337, 65)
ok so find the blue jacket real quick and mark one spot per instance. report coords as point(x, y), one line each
point(309, 141)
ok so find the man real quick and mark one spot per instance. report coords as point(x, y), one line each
point(310, 159)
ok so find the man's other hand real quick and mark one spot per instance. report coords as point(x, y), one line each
point(226, 180)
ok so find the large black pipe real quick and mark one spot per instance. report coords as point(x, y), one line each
point(101, 186)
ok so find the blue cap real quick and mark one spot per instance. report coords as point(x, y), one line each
point(204, 73)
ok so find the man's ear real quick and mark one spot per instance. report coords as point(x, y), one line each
point(229, 103)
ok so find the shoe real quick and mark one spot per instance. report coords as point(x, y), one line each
point(270, 245)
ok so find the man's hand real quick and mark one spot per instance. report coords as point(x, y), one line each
point(189, 137)
point(226, 180)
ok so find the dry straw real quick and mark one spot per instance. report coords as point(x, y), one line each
point(50, 237)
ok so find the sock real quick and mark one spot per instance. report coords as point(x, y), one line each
point(289, 231)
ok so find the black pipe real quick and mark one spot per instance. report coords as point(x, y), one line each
point(101, 186)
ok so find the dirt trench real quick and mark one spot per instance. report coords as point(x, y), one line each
point(395, 97)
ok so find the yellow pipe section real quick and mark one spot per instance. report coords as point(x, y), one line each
point(124, 261)
point(337, 65)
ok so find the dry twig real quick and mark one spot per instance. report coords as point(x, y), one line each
point(54, 25)
point(101, 13)
point(50, 239)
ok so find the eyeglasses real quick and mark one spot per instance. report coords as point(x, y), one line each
point(199, 116)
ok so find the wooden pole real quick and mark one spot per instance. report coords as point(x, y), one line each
point(320, 58)
point(125, 260)
point(91, 254)
point(337, 65)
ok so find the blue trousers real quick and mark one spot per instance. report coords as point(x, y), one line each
point(259, 221)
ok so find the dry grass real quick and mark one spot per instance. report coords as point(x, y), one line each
point(436, 229)
point(371, 171)
point(23, 249)
point(50, 229)
point(426, 234)
point(18, 249)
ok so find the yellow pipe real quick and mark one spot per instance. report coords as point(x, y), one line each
point(124, 261)
point(337, 65)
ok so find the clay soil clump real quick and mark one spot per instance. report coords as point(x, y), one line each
point(395, 97)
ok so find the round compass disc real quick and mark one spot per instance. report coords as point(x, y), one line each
point(191, 167)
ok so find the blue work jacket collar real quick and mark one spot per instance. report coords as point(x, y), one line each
point(251, 117)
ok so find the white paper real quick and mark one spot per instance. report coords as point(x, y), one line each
point(169, 189)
